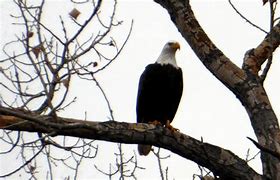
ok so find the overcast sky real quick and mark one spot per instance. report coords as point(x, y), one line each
point(208, 109)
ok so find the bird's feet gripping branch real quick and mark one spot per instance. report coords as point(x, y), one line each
point(155, 122)
point(167, 125)
point(171, 128)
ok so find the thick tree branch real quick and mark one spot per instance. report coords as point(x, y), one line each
point(213, 58)
point(246, 85)
point(254, 58)
point(222, 162)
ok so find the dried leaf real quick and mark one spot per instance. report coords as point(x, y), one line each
point(66, 82)
point(37, 49)
point(29, 34)
point(95, 64)
point(74, 13)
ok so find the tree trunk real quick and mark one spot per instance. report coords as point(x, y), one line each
point(244, 83)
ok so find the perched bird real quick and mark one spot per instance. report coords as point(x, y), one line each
point(159, 91)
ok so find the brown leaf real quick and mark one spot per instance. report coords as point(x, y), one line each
point(66, 82)
point(95, 64)
point(29, 34)
point(74, 13)
point(37, 49)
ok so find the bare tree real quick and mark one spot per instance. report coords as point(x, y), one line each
point(246, 82)
point(48, 60)
point(57, 59)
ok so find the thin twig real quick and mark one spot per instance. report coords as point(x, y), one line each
point(269, 60)
point(159, 158)
point(23, 165)
point(105, 97)
point(265, 149)
point(246, 19)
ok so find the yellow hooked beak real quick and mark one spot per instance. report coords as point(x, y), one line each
point(175, 45)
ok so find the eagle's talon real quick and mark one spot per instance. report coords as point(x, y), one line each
point(171, 128)
point(155, 122)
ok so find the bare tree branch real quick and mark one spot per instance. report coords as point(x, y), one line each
point(23, 165)
point(39, 68)
point(264, 149)
point(56, 60)
point(246, 19)
point(257, 56)
point(220, 161)
point(244, 83)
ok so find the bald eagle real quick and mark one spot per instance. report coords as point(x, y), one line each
point(159, 91)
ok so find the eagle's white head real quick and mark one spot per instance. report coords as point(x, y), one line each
point(167, 55)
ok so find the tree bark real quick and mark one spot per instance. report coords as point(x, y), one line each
point(221, 162)
point(243, 82)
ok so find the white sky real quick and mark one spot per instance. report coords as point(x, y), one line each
point(208, 109)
